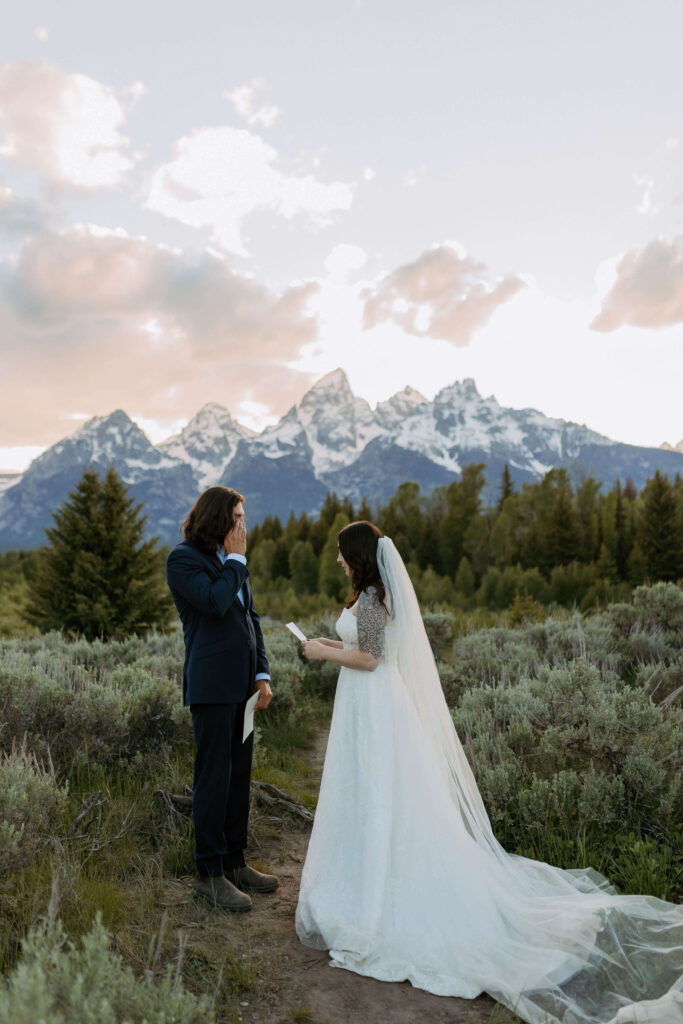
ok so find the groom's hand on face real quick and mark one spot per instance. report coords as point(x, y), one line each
point(235, 541)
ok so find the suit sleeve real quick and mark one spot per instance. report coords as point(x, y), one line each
point(262, 666)
point(211, 597)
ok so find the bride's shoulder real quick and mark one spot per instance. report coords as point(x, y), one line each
point(369, 600)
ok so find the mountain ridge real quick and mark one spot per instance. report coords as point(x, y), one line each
point(330, 440)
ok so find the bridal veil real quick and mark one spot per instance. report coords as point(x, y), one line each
point(569, 949)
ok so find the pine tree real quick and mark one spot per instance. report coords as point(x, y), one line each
point(97, 577)
point(303, 567)
point(506, 487)
point(659, 533)
point(331, 578)
point(636, 567)
point(464, 578)
point(364, 511)
point(622, 545)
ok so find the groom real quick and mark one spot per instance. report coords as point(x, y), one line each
point(225, 662)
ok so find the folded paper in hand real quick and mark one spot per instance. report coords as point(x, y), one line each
point(249, 716)
point(293, 628)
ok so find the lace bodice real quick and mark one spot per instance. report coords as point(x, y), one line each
point(367, 630)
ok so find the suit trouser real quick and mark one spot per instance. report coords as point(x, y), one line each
point(220, 794)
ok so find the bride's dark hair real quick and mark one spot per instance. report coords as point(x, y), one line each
point(358, 545)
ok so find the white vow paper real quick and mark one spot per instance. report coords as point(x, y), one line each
point(249, 716)
point(293, 628)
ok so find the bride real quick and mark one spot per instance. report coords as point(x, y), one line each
point(404, 878)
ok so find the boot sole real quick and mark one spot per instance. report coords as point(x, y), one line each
point(231, 909)
point(250, 888)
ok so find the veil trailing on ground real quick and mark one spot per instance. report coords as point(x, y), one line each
point(568, 949)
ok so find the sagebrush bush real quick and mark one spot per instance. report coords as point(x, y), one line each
point(64, 983)
point(573, 745)
point(79, 701)
point(30, 806)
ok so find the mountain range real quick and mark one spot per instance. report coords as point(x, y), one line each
point(330, 441)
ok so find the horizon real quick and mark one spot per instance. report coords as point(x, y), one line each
point(462, 205)
point(158, 441)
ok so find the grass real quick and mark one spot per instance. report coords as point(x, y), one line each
point(128, 858)
point(301, 1014)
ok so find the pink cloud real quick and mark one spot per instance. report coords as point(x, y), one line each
point(66, 127)
point(648, 290)
point(442, 294)
point(105, 320)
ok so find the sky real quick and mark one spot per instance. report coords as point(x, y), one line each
point(222, 202)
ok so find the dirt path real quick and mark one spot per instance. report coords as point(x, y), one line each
point(293, 982)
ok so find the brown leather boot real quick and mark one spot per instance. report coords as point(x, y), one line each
point(220, 893)
point(251, 879)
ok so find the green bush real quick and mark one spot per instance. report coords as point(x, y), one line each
point(30, 805)
point(78, 702)
point(573, 745)
point(64, 983)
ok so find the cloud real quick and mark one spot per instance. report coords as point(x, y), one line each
point(65, 127)
point(646, 288)
point(442, 294)
point(97, 317)
point(645, 205)
point(42, 33)
point(221, 175)
point(246, 101)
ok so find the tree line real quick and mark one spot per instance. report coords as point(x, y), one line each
point(559, 543)
point(550, 542)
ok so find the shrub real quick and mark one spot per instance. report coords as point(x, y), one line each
point(30, 805)
point(73, 703)
point(57, 981)
point(573, 745)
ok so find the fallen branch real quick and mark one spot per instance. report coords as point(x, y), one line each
point(271, 795)
point(264, 792)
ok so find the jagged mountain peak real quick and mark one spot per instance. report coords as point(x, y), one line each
point(461, 391)
point(333, 388)
point(117, 419)
point(672, 447)
point(208, 442)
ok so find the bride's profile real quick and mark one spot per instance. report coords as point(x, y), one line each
point(404, 878)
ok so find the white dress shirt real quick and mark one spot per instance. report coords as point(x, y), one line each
point(220, 551)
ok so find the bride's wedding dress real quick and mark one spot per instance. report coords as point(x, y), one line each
point(404, 878)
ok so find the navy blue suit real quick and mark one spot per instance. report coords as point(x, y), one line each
point(224, 651)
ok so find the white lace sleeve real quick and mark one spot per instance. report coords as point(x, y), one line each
point(371, 622)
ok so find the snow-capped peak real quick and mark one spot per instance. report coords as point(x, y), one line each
point(208, 442)
point(104, 441)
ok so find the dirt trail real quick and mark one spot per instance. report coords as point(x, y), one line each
point(294, 982)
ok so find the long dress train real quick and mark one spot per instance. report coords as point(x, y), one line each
point(401, 883)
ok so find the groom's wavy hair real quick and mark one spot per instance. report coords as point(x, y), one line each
point(211, 517)
point(358, 545)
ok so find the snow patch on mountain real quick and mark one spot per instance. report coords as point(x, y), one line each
point(208, 443)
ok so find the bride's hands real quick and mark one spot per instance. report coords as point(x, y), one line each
point(313, 650)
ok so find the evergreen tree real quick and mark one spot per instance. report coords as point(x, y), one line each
point(98, 577)
point(588, 520)
point(630, 492)
point(636, 568)
point(303, 567)
point(331, 578)
point(464, 578)
point(280, 564)
point(506, 487)
point(365, 512)
point(659, 530)
point(622, 544)
point(562, 544)
point(463, 503)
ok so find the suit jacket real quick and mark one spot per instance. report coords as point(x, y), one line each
point(224, 646)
